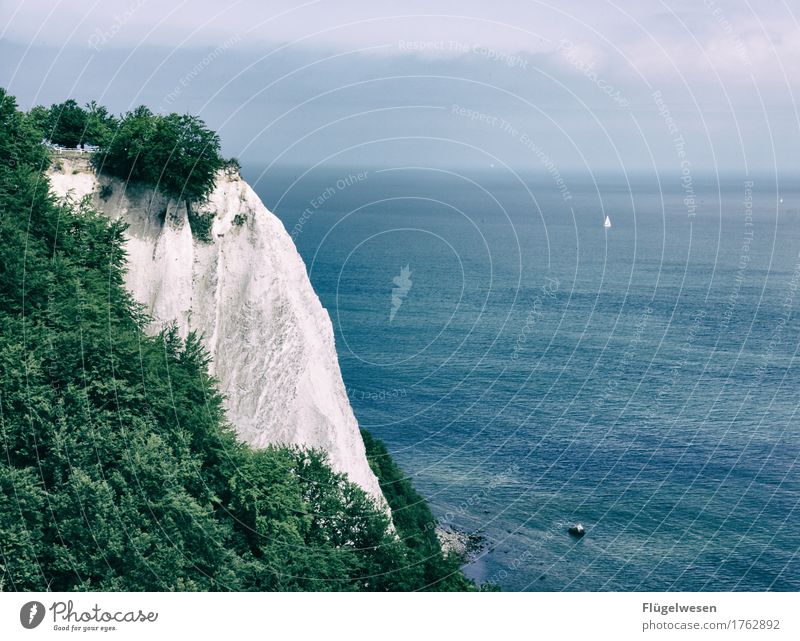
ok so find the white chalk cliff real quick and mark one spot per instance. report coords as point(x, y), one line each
point(248, 294)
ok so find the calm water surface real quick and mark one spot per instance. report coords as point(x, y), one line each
point(530, 370)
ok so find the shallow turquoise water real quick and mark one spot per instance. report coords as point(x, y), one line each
point(539, 371)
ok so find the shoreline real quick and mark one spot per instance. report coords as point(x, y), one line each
point(465, 545)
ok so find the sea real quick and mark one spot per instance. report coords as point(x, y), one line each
point(530, 369)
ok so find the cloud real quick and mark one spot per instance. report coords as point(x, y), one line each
point(301, 80)
point(649, 38)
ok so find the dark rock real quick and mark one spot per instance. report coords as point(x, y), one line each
point(577, 530)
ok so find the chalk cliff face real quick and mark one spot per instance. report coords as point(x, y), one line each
point(248, 294)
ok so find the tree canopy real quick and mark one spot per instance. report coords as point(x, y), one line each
point(175, 153)
point(69, 125)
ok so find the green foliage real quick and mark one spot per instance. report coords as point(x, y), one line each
point(19, 140)
point(200, 223)
point(415, 523)
point(67, 124)
point(100, 125)
point(177, 154)
point(40, 118)
point(118, 471)
point(70, 125)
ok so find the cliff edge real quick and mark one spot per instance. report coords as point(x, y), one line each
point(246, 292)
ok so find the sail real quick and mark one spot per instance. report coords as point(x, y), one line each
point(607, 224)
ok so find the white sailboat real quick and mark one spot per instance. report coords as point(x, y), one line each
point(607, 223)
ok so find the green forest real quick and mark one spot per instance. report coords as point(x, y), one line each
point(118, 470)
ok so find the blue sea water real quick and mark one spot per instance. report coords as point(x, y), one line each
point(530, 369)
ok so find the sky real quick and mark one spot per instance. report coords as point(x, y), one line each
point(569, 86)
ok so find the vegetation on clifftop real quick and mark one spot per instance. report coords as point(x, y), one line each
point(177, 154)
point(117, 468)
point(69, 125)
